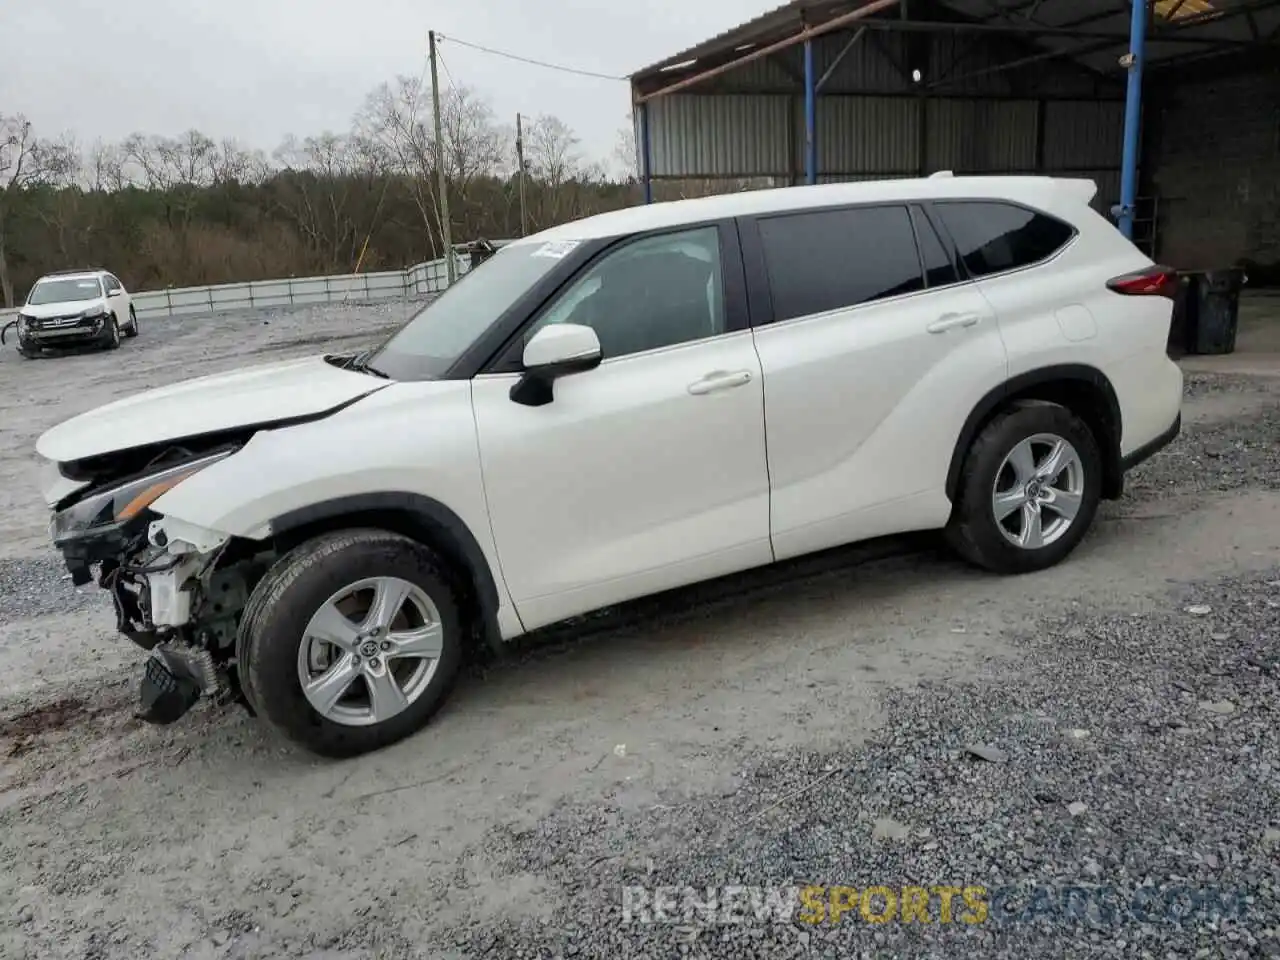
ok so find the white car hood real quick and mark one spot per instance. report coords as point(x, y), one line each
point(259, 395)
point(65, 308)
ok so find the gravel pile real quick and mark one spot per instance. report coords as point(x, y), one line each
point(40, 586)
point(1123, 760)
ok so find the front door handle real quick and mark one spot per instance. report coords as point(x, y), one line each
point(720, 380)
point(951, 321)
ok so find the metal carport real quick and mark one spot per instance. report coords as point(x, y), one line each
point(823, 90)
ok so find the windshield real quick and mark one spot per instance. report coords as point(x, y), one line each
point(438, 334)
point(63, 291)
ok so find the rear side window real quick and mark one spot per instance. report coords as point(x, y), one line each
point(996, 237)
point(832, 259)
point(939, 270)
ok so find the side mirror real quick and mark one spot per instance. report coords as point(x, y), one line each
point(555, 351)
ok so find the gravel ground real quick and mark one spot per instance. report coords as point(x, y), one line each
point(1126, 757)
point(1060, 741)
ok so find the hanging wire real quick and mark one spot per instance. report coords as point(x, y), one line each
point(533, 62)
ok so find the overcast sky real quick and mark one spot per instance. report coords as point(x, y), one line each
point(259, 69)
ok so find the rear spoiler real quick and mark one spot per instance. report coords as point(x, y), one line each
point(1079, 188)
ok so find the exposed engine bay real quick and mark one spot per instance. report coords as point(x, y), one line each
point(178, 590)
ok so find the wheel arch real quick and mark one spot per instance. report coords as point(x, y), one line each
point(1083, 389)
point(421, 518)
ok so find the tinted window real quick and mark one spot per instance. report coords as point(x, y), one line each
point(994, 237)
point(648, 294)
point(938, 268)
point(830, 259)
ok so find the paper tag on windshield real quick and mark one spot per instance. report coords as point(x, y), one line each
point(556, 249)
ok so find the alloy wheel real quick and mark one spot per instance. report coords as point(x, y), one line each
point(370, 651)
point(1038, 491)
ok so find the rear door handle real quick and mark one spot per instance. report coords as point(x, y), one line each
point(950, 321)
point(720, 380)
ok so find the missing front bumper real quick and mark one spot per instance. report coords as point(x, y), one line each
point(165, 695)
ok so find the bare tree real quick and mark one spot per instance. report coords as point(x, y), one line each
point(231, 162)
point(176, 167)
point(25, 162)
point(105, 168)
point(625, 154)
point(326, 183)
point(396, 122)
point(554, 158)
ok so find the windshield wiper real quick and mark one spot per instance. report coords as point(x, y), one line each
point(360, 364)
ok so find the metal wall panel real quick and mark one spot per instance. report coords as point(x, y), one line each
point(859, 135)
point(982, 136)
point(1083, 134)
point(718, 136)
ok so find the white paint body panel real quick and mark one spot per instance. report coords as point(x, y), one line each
point(859, 442)
point(626, 484)
point(409, 438)
point(276, 391)
point(664, 468)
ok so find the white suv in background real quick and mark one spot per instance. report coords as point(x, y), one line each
point(75, 308)
point(615, 407)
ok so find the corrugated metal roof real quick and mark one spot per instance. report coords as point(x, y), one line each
point(1215, 22)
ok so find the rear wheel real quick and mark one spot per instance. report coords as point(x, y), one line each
point(132, 330)
point(351, 642)
point(1030, 489)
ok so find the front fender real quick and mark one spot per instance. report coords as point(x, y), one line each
point(409, 447)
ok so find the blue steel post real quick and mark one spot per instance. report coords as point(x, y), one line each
point(646, 164)
point(1133, 119)
point(810, 117)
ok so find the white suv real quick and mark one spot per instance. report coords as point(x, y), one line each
point(612, 408)
point(75, 308)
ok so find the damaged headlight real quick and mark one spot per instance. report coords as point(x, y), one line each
point(118, 505)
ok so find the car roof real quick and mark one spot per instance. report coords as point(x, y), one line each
point(90, 274)
point(1035, 190)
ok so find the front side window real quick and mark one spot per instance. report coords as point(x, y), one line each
point(647, 294)
point(113, 285)
point(64, 291)
point(827, 260)
point(995, 237)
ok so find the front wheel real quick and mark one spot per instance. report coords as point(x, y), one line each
point(1031, 486)
point(111, 335)
point(350, 642)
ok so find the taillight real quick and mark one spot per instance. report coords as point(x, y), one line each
point(1153, 282)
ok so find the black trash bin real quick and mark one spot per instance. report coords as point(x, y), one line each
point(1210, 310)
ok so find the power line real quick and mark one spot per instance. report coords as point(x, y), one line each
point(447, 72)
point(529, 60)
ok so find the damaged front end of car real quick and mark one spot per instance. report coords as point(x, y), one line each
point(177, 588)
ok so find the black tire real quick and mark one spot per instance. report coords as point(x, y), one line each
point(28, 353)
point(111, 334)
point(131, 331)
point(282, 604)
point(974, 532)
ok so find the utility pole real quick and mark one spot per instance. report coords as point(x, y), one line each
point(520, 161)
point(443, 185)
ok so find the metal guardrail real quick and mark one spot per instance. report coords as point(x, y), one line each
point(418, 280)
